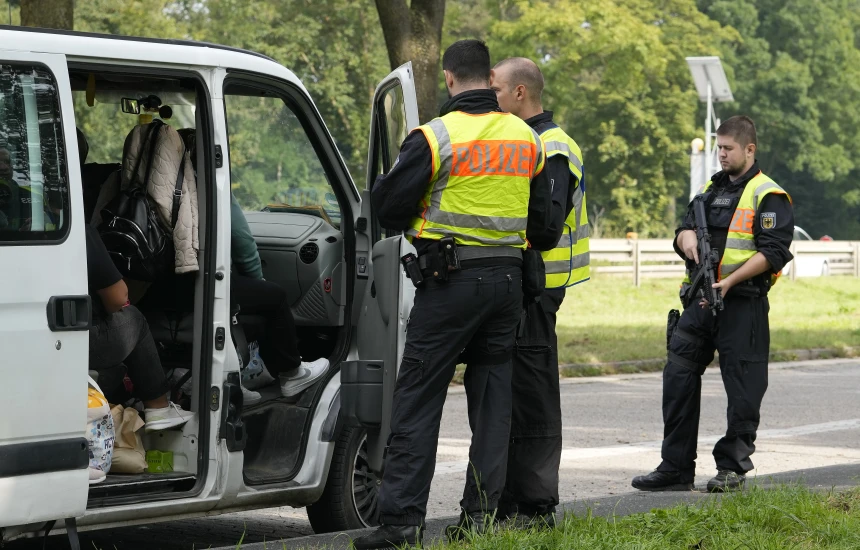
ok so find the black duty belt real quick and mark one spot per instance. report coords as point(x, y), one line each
point(478, 256)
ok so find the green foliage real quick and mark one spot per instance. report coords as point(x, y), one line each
point(796, 71)
point(334, 46)
point(616, 78)
point(618, 83)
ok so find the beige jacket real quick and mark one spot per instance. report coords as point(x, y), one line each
point(162, 182)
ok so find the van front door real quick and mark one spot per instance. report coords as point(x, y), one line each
point(389, 294)
point(44, 307)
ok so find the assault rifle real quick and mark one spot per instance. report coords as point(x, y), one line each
point(705, 275)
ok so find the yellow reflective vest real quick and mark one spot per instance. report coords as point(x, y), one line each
point(740, 243)
point(480, 183)
point(568, 263)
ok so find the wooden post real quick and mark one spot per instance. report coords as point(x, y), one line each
point(857, 259)
point(636, 266)
point(793, 273)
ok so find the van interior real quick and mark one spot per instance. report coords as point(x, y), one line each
point(282, 183)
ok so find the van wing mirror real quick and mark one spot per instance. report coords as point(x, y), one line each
point(130, 106)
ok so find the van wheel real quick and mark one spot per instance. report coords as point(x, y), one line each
point(351, 496)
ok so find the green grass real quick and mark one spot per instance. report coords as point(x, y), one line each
point(784, 518)
point(610, 320)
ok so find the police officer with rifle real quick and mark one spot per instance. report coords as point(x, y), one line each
point(735, 239)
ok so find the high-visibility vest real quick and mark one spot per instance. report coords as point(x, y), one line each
point(568, 263)
point(740, 241)
point(480, 183)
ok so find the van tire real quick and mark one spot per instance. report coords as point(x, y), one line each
point(336, 510)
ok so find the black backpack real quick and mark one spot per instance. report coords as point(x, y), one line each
point(139, 244)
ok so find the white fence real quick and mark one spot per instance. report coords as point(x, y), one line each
point(638, 259)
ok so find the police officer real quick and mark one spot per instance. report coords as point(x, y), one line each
point(534, 452)
point(751, 223)
point(475, 176)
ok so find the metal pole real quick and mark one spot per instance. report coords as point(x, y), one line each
point(708, 162)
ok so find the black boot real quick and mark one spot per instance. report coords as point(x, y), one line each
point(725, 481)
point(476, 523)
point(662, 481)
point(545, 520)
point(390, 537)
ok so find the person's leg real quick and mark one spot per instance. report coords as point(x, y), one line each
point(489, 393)
point(278, 343)
point(124, 337)
point(534, 451)
point(441, 324)
point(691, 350)
point(744, 343)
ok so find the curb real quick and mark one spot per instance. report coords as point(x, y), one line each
point(775, 356)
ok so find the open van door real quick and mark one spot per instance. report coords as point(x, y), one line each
point(44, 307)
point(388, 294)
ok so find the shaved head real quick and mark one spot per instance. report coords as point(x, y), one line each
point(518, 83)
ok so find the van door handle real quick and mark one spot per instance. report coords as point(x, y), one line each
point(68, 313)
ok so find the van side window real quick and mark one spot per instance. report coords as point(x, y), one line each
point(273, 164)
point(34, 185)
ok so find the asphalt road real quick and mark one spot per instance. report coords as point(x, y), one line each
point(613, 426)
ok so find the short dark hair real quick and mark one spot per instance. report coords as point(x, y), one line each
point(740, 128)
point(468, 60)
point(526, 72)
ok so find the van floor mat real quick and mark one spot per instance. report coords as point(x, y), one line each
point(274, 439)
point(136, 484)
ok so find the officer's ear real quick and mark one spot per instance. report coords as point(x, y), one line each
point(520, 92)
point(750, 150)
point(449, 78)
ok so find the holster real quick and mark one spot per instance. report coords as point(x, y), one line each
point(674, 317)
point(534, 274)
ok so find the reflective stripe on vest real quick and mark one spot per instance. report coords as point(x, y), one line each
point(568, 263)
point(480, 181)
point(740, 241)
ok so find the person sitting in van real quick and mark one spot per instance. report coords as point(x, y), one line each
point(120, 334)
point(256, 296)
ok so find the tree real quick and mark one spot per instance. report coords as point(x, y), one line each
point(414, 33)
point(49, 14)
point(796, 72)
point(617, 82)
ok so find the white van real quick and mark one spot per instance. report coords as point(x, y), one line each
point(258, 133)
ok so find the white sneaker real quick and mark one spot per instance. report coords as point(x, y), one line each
point(305, 376)
point(97, 476)
point(250, 397)
point(168, 417)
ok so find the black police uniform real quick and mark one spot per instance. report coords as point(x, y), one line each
point(534, 451)
point(471, 318)
point(740, 333)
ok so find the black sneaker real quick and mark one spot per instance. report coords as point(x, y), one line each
point(725, 481)
point(390, 537)
point(476, 523)
point(662, 481)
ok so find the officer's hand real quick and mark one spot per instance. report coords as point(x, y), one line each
point(689, 244)
point(724, 285)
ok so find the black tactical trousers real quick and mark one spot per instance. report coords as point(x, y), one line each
point(472, 318)
point(534, 452)
point(742, 336)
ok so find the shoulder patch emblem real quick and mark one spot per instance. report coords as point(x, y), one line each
point(768, 220)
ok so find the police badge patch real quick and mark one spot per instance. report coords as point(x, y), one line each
point(768, 220)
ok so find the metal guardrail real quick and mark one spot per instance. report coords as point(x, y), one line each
point(654, 258)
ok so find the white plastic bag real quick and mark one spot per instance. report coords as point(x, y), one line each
point(100, 433)
point(254, 374)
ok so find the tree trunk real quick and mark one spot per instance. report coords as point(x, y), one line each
point(414, 33)
point(48, 14)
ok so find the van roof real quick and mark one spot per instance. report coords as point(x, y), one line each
point(87, 46)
